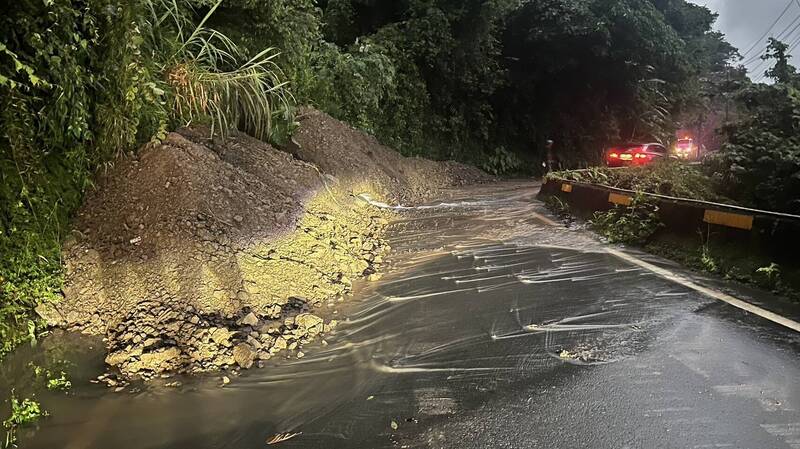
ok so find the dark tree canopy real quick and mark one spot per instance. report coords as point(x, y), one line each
point(511, 74)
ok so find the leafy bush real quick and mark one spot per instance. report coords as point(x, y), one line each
point(671, 178)
point(707, 261)
point(23, 412)
point(60, 383)
point(770, 275)
point(760, 165)
point(353, 86)
point(502, 162)
point(633, 224)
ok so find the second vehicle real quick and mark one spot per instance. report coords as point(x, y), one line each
point(635, 154)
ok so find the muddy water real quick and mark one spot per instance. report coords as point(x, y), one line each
point(483, 303)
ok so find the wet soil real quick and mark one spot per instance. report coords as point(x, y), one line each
point(198, 255)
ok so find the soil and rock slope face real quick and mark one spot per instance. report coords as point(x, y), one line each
point(199, 255)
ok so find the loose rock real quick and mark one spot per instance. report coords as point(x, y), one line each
point(249, 320)
point(244, 355)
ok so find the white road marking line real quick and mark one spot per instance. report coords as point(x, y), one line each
point(678, 279)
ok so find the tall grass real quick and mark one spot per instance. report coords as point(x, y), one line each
point(247, 98)
point(210, 83)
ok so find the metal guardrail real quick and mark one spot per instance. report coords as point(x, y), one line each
point(706, 204)
point(774, 233)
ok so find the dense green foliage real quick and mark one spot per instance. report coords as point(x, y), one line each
point(671, 178)
point(760, 165)
point(46, 74)
point(474, 79)
point(634, 224)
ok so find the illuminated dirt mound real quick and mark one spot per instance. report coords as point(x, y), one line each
point(198, 255)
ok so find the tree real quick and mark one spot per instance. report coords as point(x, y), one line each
point(760, 165)
point(782, 71)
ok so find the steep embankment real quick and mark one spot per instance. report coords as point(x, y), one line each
point(197, 255)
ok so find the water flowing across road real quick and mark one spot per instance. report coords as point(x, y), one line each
point(491, 328)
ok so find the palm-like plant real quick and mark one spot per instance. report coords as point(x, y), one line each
point(207, 80)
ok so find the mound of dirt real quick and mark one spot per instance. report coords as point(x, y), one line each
point(352, 155)
point(198, 255)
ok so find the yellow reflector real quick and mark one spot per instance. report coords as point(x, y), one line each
point(622, 200)
point(566, 188)
point(728, 219)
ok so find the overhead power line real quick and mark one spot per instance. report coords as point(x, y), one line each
point(785, 34)
point(794, 44)
point(761, 39)
point(755, 70)
point(754, 59)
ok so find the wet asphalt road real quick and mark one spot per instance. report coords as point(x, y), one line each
point(491, 329)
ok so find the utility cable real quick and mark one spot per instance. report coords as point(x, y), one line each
point(760, 39)
point(783, 34)
point(794, 25)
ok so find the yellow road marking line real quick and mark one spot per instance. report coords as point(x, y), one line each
point(678, 279)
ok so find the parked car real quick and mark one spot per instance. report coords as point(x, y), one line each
point(635, 154)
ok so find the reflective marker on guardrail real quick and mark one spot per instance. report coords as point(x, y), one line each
point(728, 219)
point(687, 201)
point(622, 200)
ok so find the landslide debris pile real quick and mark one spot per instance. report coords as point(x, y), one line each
point(358, 157)
point(198, 255)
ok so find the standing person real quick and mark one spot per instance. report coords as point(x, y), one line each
point(552, 158)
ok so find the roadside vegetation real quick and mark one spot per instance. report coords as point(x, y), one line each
point(716, 256)
point(82, 83)
point(634, 224)
point(23, 411)
point(757, 166)
point(638, 225)
point(670, 178)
